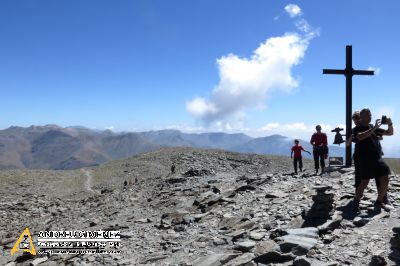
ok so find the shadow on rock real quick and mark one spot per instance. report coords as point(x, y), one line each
point(394, 255)
point(347, 211)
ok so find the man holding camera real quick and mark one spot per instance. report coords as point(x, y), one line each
point(369, 152)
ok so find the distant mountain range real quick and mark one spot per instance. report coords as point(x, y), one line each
point(54, 147)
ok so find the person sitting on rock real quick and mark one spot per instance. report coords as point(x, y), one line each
point(296, 149)
point(370, 158)
point(319, 140)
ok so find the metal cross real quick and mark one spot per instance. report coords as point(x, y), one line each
point(349, 72)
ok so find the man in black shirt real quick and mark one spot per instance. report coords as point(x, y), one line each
point(369, 154)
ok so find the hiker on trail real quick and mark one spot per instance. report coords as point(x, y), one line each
point(296, 149)
point(319, 140)
point(371, 164)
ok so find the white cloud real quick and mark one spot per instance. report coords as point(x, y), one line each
point(293, 10)
point(284, 127)
point(270, 127)
point(200, 107)
point(376, 69)
point(303, 25)
point(112, 128)
point(245, 82)
point(294, 127)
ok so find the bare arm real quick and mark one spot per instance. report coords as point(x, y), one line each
point(305, 150)
point(389, 131)
point(366, 134)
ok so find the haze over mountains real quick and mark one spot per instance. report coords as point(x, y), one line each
point(54, 147)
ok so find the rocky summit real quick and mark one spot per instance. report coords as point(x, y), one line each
point(184, 206)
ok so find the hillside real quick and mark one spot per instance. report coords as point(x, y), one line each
point(57, 148)
point(217, 208)
point(394, 164)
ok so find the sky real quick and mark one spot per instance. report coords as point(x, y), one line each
point(198, 66)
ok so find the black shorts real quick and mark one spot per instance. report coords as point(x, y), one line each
point(369, 169)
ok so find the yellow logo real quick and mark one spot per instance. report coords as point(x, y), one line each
point(24, 243)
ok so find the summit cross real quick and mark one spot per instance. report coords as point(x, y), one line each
point(348, 72)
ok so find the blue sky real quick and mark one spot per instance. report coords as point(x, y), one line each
point(191, 65)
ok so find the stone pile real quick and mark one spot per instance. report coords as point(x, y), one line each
point(322, 206)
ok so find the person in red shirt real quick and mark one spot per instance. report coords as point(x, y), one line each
point(319, 140)
point(296, 149)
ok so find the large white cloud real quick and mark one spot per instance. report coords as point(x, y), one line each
point(246, 82)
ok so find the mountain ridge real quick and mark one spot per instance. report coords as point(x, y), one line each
point(60, 148)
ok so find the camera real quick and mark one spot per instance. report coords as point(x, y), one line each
point(384, 120)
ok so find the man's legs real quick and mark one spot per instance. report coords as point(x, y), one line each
point(357, 175)
point(385, 197)
point(360, 189)
point(382, 190)
point(359, 193)
point(383, 186)
point(316, 160)
point(322, 159)
point(295, 164)
point(301, 164)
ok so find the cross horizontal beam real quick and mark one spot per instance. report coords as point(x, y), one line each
point(363, 72)
point(344, 72)
point(333, 71)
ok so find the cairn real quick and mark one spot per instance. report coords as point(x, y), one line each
point(323, 204)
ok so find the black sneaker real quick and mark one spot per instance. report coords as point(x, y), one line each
point(379, 206)
point(387, 202)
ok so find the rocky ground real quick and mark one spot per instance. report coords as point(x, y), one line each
point(215, 208)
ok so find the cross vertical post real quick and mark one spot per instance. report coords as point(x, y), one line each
point(349, 72)
point(349, 99)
